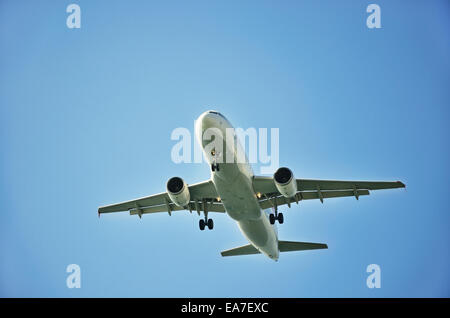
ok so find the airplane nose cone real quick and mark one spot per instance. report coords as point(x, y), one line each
point(203, 115)
point(205, 120)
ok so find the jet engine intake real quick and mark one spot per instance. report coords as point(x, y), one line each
point(285, 182)
point(178, 191)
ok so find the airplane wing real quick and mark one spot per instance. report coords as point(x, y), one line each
point(203, 196)
point(308, 189)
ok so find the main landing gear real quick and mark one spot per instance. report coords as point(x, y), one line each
point(206, 222)
point(276, 217)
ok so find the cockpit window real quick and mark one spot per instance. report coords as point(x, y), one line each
point(217, 113)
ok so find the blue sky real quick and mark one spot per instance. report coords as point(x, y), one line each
point(86, 116)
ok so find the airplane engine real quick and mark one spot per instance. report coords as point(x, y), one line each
point(178, 191)
point(285, 182)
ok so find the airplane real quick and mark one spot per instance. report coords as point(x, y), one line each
point(234, 189)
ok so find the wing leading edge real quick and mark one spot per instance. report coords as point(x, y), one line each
point(203, 197)
point(308, 189)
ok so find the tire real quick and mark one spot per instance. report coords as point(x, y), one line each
point(213, 168)
point(210, 224)
point(217, 167)
point(201, 224)
point(272, 219)
point(280, 218)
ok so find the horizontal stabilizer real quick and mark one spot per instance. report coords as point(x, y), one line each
point(242, 250)
point(283, 246)
point(287, 246)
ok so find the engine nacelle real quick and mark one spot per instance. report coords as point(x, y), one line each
point(285, 182)
point(178, 191)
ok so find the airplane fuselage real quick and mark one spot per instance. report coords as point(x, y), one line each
point(234, 185)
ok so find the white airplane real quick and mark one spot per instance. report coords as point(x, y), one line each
point(235, 190)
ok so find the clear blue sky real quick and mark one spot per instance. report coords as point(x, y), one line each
point(86, 117)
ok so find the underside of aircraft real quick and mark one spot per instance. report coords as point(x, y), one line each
point(233, 189)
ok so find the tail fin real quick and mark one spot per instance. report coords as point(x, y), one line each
point(287, 246)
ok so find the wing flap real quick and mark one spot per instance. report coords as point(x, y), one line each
point(309, 195)
point(156, 199)
point(267, 185)
point(308, 185)
point(158, 202)
point(211, 207)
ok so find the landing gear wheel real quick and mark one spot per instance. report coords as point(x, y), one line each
point(210, 224)
point(202, 224)
point(280, 218)
point(215, 167)
point(272, 219)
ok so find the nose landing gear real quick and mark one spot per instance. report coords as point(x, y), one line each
point(215, 167)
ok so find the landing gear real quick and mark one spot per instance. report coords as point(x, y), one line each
point(206, 222)
point(214, 165)
point(272, 218)
point(210, 224)
point(280, 218)
point(275, 217)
